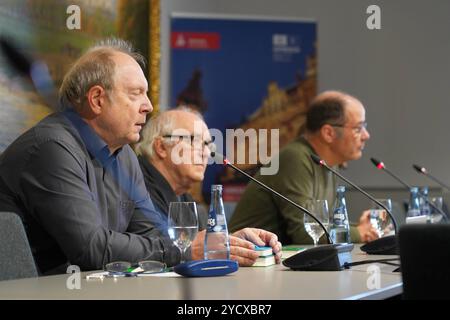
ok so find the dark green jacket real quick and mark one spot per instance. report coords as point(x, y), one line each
point(300, 180)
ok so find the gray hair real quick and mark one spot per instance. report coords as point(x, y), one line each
point(95, 67)
point(158, 126)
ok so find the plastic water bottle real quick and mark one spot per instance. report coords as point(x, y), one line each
point(414, 204)
point(340, 229)
point(424, 206)
point(217, 244)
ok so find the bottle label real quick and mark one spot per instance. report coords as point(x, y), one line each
point(215, 222)
point(339, 216)
point(212, 220)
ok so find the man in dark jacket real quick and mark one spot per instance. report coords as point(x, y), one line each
point(173, 155)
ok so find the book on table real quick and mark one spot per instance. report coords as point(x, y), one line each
point(266, 257)
point(290, 250)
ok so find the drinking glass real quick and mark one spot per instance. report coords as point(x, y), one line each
point(182, 225)
point(436, 216)
point(319, 208)
point(380, 219)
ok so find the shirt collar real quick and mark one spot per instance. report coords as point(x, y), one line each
point(95, 145)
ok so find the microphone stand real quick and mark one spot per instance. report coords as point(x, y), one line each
point(331, 257)
point(385, 245)
point(425, 172)
point(380, 165)
point(228, 163)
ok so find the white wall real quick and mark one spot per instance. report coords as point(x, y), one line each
point(401, 73)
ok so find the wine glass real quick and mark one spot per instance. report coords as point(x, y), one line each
point(380, 219)
point(319, 208)
point(182, 225)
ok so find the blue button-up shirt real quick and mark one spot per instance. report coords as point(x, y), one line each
point(80, 203)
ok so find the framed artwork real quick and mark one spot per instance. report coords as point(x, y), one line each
point(57, 32)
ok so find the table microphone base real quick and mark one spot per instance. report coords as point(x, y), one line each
point(382, 246)
point(329, 257)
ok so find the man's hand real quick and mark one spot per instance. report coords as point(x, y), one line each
point(367, 233)
point(197, 246)
point(249, 237)
point(242, 245)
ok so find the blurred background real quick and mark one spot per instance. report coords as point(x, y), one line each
point(399, 72)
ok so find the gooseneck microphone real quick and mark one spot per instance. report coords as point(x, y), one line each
point(380, 165)
point(386, 245)
point(229, 164)
point(425, 172)
point(331, 257)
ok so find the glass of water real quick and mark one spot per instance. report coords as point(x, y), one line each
point(182, 225)
point(436, 216)
point(380, 219)
point(319, 208)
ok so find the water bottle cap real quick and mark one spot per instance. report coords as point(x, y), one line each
point(414, 189)
point(216, 187)
point(340, 189)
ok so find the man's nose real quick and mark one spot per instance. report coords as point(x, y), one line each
point(147, 106)
point(366, 134)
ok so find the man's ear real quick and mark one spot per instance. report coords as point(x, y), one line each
point(160, 149)
point(328, 133)
point(96, 97)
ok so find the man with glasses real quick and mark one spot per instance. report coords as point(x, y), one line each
point(335, 130)
point(173, 155)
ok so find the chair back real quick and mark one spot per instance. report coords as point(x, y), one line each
point(16, 259)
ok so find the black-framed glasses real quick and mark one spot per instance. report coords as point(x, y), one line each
point(357, 129)
point(125, 268)
point(194, 140)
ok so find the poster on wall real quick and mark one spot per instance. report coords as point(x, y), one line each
point(252, 74)
point(57, 32)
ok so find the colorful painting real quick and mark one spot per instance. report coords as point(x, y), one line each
point(40, 29)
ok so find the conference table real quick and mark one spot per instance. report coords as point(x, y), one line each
point(368, 281)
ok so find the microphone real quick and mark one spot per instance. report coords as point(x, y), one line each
point(36, 70)
point(386, 245)
point(425, 172)
point(331, 257)
point(380, 165)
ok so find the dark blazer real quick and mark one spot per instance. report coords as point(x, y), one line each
point(162, 193)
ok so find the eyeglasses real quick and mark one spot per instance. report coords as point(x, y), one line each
point(124, 268)
point(357, 129)
point(195, 141)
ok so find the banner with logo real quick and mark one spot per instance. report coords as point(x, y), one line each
point(251, 79)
